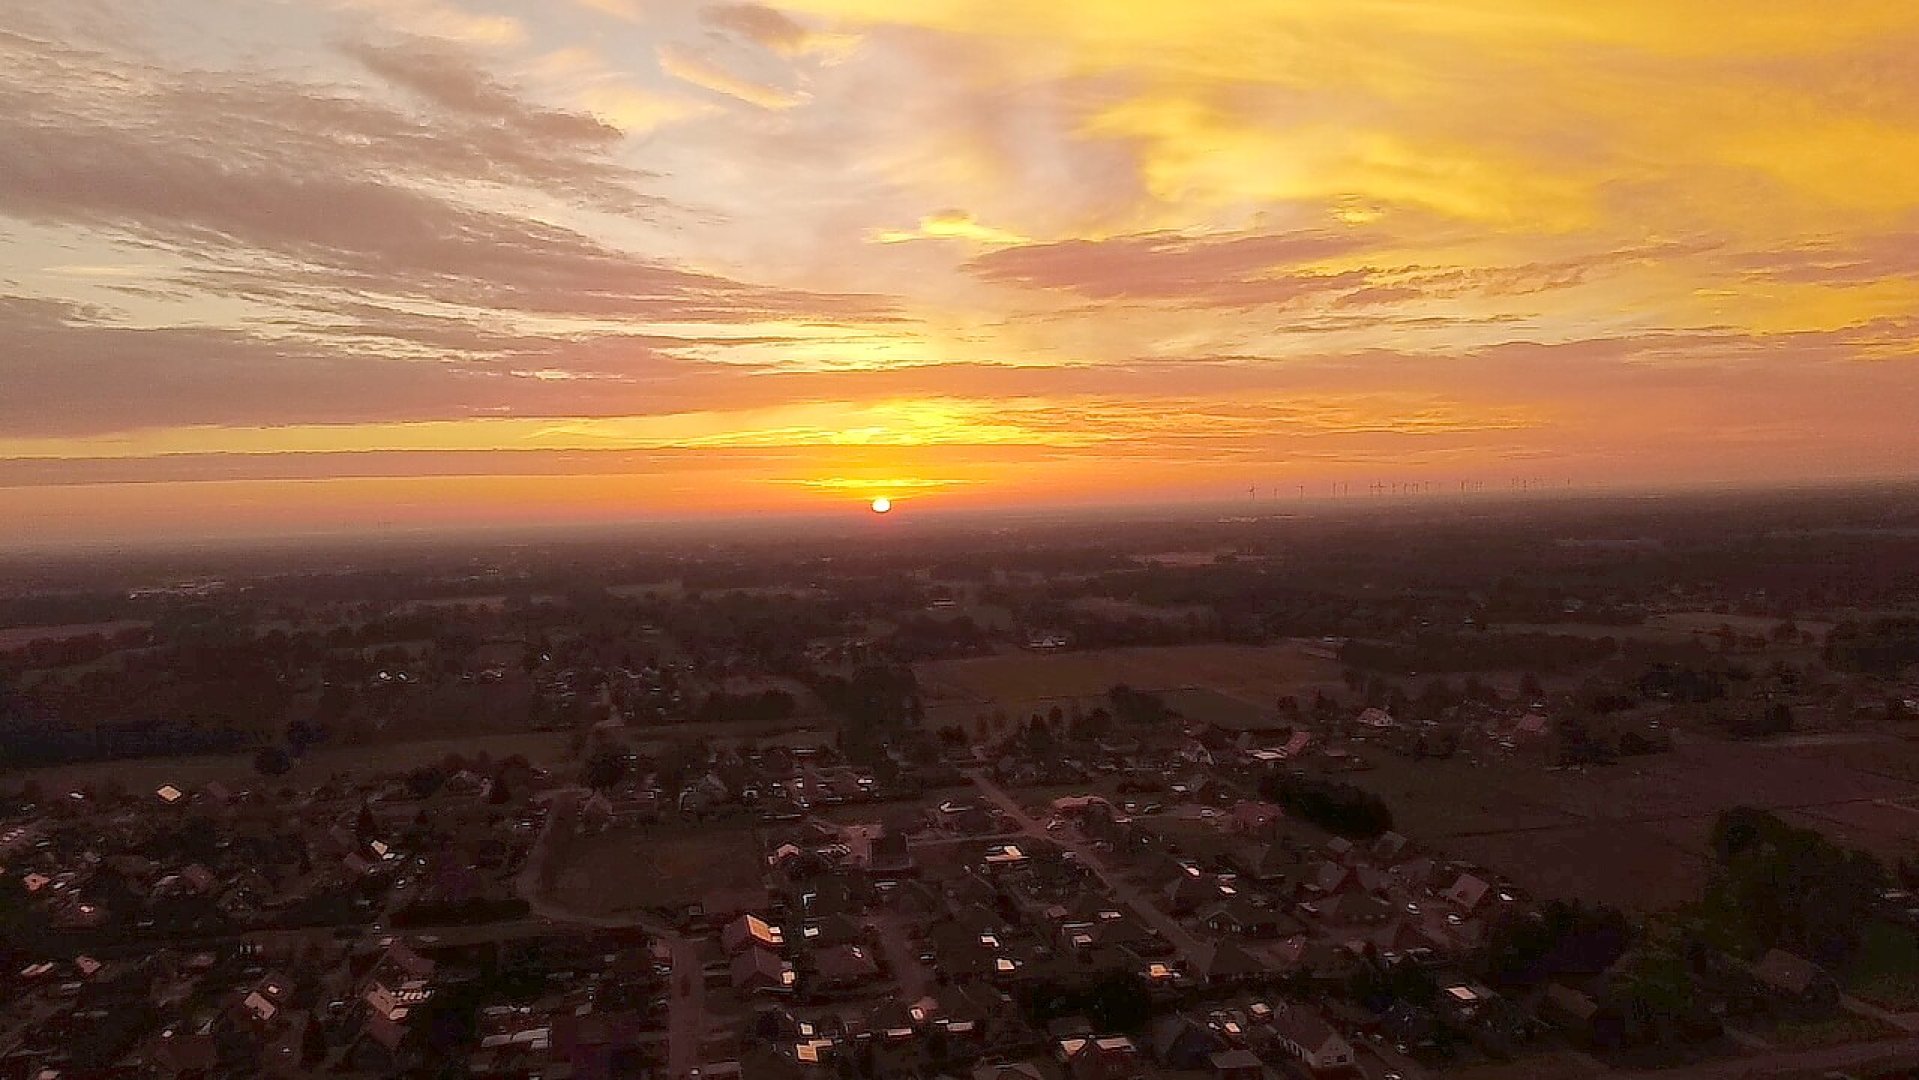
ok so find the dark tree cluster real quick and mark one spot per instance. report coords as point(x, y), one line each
point(1333, 805)
point(1779, 886)
point(1479, 652)
point(1561, 939)
point(1883, 647)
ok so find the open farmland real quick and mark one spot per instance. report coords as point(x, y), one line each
point(1635, 833)
point(19, 637)
point(543, 748)
point(1255, 674)
point(630, 869)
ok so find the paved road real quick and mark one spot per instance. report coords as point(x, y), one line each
point(895, 939)
point(686, 1001)
point(686, 1017)
point(1191, 949)
point(1866, 1058)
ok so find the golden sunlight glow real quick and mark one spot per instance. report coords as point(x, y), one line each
point(612, 259)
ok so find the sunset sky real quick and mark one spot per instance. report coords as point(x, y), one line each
point(323, 264)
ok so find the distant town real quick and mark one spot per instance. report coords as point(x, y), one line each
point(1504, 789)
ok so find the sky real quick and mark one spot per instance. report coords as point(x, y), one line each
point(314, 265)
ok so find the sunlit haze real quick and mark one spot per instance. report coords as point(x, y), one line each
point(317, 265)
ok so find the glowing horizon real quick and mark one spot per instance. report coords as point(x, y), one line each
point(302, 264)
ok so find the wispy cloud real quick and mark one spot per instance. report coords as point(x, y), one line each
point(698, 70)
point(728, 245)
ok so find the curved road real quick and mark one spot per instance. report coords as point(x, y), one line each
point(686, 1002)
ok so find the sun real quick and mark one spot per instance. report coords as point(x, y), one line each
point(882, 505)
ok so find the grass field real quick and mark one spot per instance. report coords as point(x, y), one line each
point(541, 748)
point(1635, 833)
point(1811, 1034)
point(628, 870)
point(1885, 971)
point(1255, 674)
point(1672, 628)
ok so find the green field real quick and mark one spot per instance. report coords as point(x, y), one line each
point(1886, 969)
point(634, 869)
point(1634, 833)
point(540, 747)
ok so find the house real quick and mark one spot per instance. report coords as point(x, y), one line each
point(1271, 865)
point(1297, 746)
point(1308, 1039)
point(890, 853)
point(748, 932)
point(758, 971)
point(1186, 893)
point(1377, 720)
point(1253, 818)
point(1584, 1020)
point(1195, 752)
point(1391, 849)
point(843, 967)
point(830, 931)
point(1180, 1042)
point(1352, 909)
point(1236, 1064)
point(1242, 917)
point(1110, 1057)
point(1228, 963)
point(186, 1050)
point(1468, 893)
point(1336, 879)
point(1797, 982)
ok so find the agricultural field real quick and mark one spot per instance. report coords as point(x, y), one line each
point(1256, 674)
point(633, 869)
point(19, 637)
point(1635, 833)
point(142, 774)
point(1706, 623)
point(1671, 628)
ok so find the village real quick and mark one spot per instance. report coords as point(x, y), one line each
point(1206, 898)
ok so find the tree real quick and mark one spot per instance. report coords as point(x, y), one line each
point(1562, 938)
point(313, 1046)
point(272, 761)
point(606, 766)
point(1335, 806)
point(1779, 886)
point(1655, 990)
point(424, 780)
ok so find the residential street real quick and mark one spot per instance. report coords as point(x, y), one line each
point(896, 940)
point(1191, 950)
point(1883, 1054)
point(686, 1009)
